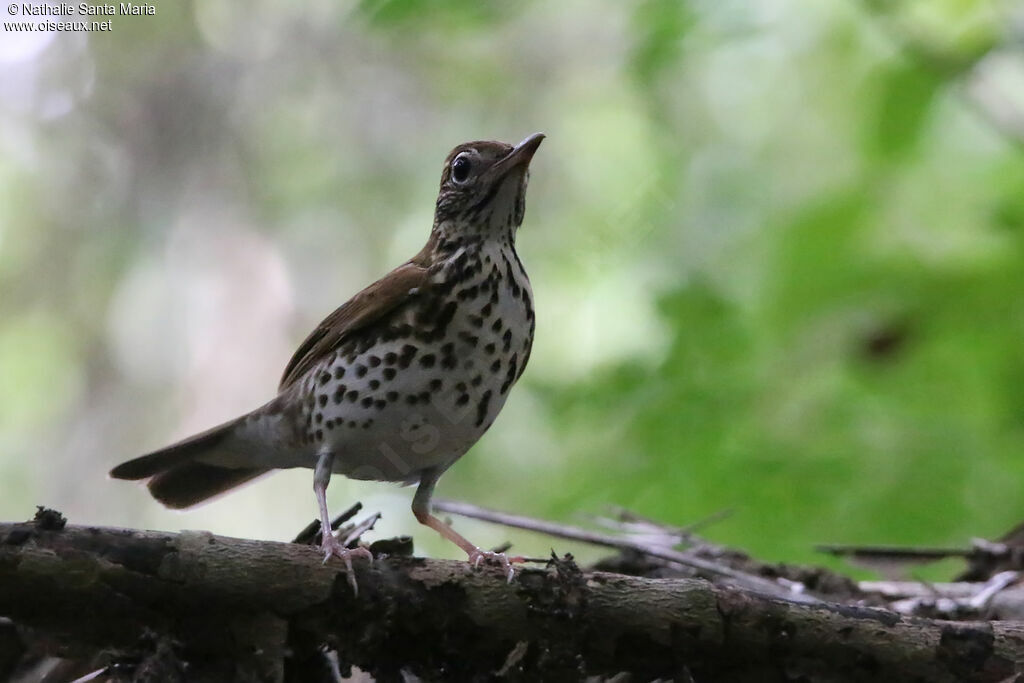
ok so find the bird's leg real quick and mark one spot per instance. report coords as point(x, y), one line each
point(421, 508)
point(330, 545)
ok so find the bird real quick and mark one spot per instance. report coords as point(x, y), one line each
point(401, 380)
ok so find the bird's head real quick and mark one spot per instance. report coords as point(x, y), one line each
point(483, 188)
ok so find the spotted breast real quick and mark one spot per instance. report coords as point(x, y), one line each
point(417, 390)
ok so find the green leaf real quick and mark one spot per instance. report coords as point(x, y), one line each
point(903, 97)
point(660, 26)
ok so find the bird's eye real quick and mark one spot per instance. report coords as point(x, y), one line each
point(460, 169)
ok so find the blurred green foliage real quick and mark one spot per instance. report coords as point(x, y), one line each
point(777, 248)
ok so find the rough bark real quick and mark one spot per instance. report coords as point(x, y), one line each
point(195, 606)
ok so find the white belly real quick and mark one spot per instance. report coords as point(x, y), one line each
point(412, 403)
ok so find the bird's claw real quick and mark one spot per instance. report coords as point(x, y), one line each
point(478, 556)
point(331, 546)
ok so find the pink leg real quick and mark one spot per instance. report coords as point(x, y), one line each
point(421, 508)
point(330, 545)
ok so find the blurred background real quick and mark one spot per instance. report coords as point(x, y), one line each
point(777, 250)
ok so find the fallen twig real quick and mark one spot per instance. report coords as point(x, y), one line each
point(791, 590)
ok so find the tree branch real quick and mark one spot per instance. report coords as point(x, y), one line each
point(232, 609)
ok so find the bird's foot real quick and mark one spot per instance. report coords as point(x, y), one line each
point(331, 546)
point(477, 556)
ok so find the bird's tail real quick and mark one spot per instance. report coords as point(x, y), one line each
point(182, 475)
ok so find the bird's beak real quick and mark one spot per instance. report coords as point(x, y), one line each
point(520, 156)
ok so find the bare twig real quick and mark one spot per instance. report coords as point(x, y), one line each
point(897, 590)
point(791, 590)
point(311, 533)
point(997, 583)
point(360, 529)
point(956, 600)
point(983, 553)
point(652, 532)
point(685, 532)
point(892, 553)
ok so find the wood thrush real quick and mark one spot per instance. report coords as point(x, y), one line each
point(401, 380)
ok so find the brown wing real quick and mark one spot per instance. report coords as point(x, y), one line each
point(365, 308)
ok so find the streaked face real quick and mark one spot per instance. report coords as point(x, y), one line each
point(483, 186)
